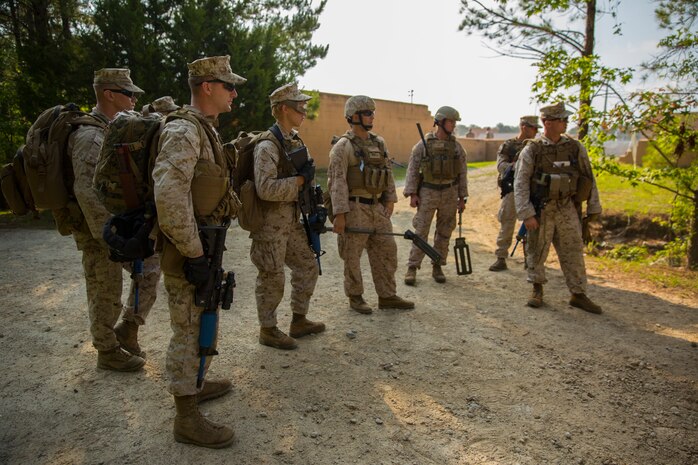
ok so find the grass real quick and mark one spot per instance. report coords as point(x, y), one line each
point(473, 165)
point(678, 279)
point(617, 195)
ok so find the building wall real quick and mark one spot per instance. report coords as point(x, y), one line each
point(395, 121)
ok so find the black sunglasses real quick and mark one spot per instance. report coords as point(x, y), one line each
point(226, 85)
point(366, 112)
point(125, 92)
point(564, 120)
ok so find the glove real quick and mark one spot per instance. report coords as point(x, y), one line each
point(196, 270)
point(308, 171)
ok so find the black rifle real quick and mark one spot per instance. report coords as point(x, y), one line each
point(313, 211)
point(520, 237)
point(409, 235)
point(217, 290)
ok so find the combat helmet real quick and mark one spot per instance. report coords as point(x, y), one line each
point(446, 113)
point(356, 104)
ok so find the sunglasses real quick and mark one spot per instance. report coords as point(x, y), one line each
point(125, 92)
point(564, 120)
point(366, 113)
point(226, 85)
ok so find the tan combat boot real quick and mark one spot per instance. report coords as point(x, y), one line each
point(536, 299)
point(213, 389)
point(190, 427)
point(394, 302)
point(127, 335)
point(274, 337)
point(438, 274)
point(118, 359)
point(301, 326)
point(585, 303)
point(411, 275)
point(358, 304)
point(499, 265)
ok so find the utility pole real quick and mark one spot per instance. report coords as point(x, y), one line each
point(411, 94)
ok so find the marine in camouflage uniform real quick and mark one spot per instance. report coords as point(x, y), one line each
point(282, 239)
point(191, 178)
point(103, 278)
point(436, 184)
point(556, 170)
point(506, 158)
point(362, 190)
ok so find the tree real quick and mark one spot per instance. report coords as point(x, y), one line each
point(52, 48)
point(666, 115)
point(550, 33)
point(558, 36)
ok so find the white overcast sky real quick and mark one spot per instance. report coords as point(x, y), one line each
point(385, 48)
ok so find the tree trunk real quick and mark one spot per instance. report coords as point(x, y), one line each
point(693, 240)
point(585, 91)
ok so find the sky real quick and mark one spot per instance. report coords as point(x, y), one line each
point(387, 48)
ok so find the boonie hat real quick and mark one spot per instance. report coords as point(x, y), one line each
point(288, 93)
point(530, 120)
point(210, 68)
point(556, 111)
point(120, 77)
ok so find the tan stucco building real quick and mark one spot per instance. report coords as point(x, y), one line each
point(395, 121)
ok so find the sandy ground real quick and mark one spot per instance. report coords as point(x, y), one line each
point(471, 376)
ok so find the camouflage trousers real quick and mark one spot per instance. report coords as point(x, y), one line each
point(270, 256)
point(104, 283)
point(182, 361)
point(444, 204)
point(381, 250)
point(559, 226)
point(507, 220)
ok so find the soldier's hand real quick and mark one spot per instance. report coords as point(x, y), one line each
point(308, 171)
point(531, 223)
point(196, 270)
point(339, 223)
point(461, 205)
point(389, 207)
point(414, 200)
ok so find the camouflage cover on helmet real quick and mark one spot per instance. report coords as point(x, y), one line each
point(358, 103)
point(447, 113)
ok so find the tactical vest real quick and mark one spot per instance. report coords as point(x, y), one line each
point(211, 190)
point(368, 172)
point(556, 169)
point(440, 165)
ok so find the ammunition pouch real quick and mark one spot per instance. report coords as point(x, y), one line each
point(555, 186)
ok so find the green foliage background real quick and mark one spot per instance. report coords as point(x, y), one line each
point(50, 50)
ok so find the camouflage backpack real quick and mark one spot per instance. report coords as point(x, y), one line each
point(249, 215)
point(122, 178)
point(15, 187)
point(47, 165)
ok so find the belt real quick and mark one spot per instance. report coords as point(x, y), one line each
point(439, 187)
point(363, 200)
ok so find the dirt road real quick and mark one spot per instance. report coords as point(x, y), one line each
point(471, 376)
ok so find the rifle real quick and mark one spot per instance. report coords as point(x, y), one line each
point(313, 211)
point(520, 237)
point(139, 223)
point(218, 289)
point(409, 235)
point(426, 153)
